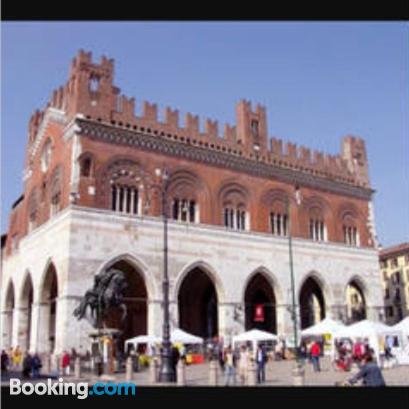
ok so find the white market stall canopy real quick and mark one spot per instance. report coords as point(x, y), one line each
point(182, 337)
point(326, 326)
point(143, 339)
point(365, 329)
point(402, 326)
point(255, 335)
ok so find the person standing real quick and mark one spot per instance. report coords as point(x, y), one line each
point(261, 359)
point(17, 358)
point(4, 361)
point(229, 367)
point(27, 365)
point(36, 365)
point(315, 356)
point(243, 364)
point(65, 363)
point(175, 360)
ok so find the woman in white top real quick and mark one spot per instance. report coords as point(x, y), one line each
point(243, 364)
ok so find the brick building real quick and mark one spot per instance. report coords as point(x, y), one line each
point(91, 202)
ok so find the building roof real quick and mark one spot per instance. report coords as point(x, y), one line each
point(399, 249)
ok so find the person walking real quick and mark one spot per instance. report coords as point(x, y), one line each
point(65, 363)
point(175, 360)
point(5, 360)
point(17, 358)
point(27, 365)
point(36, 365)
point(221, 357)
point(370, 373)
point(243, 364)
point(229, 367)
point(261, 359)
point(315, 356)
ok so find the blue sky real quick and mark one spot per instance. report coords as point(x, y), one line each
point(318, 80)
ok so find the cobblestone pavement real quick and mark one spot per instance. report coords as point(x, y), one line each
point(278, 373)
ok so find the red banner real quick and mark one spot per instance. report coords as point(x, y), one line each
point(259, 313)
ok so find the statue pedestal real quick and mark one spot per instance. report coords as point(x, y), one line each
point(103, 350)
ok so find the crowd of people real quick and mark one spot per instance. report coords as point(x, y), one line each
point(30, 364)
point(236, 363)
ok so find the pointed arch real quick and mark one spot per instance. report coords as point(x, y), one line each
point(270, 277)
point(139, 290)
point(10, 296)
point(25, 305)
point(314, 299)
point(138, 263)
point(7, 314)
point(197, 294)
point(208, 269)
point(48, 298)
point(356, 298)
point(260, 295)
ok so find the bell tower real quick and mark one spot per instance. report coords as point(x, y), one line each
point(251, 126)
point(90, 87)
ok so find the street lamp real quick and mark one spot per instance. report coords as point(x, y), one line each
point(166, 372)
point(290, 248)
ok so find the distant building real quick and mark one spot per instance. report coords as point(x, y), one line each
point(394, 263)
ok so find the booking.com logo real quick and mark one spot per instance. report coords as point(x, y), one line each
point(61, 388)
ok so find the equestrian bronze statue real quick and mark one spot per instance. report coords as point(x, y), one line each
point(107, 293)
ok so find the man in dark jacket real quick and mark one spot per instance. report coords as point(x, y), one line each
point(175, 360)
point(261, 359)
point(4, 361)
point(370, 373)
point(27, 365)
point(36, 365)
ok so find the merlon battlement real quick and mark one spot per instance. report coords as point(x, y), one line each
point(91, 92)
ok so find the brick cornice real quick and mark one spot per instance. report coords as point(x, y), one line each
point(156, 143)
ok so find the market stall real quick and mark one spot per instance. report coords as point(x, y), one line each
point(145, 346)
point(192, 344)
point(324, 331)
point(404, 327)
point(372, 331)
point(255, 337)
point(403, 355)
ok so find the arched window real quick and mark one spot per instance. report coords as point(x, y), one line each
point(86, 167)
point(184, 210)
point(350, 231)
point(279, 223)
point(275, 208)
point(46, 155)
point(317, 227)
point(124, 198)
point(55, 191)
point(186, 191)
point(235, 217)
point(33, 210)
point(234, 207)
point(125, 188)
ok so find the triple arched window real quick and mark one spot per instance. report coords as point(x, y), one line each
point(317, 228)
point(184, 210)
point(350, 230)
point(234, 200)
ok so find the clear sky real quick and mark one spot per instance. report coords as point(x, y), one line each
point(318, 80)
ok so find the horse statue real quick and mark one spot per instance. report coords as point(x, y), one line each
point(107, 292)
